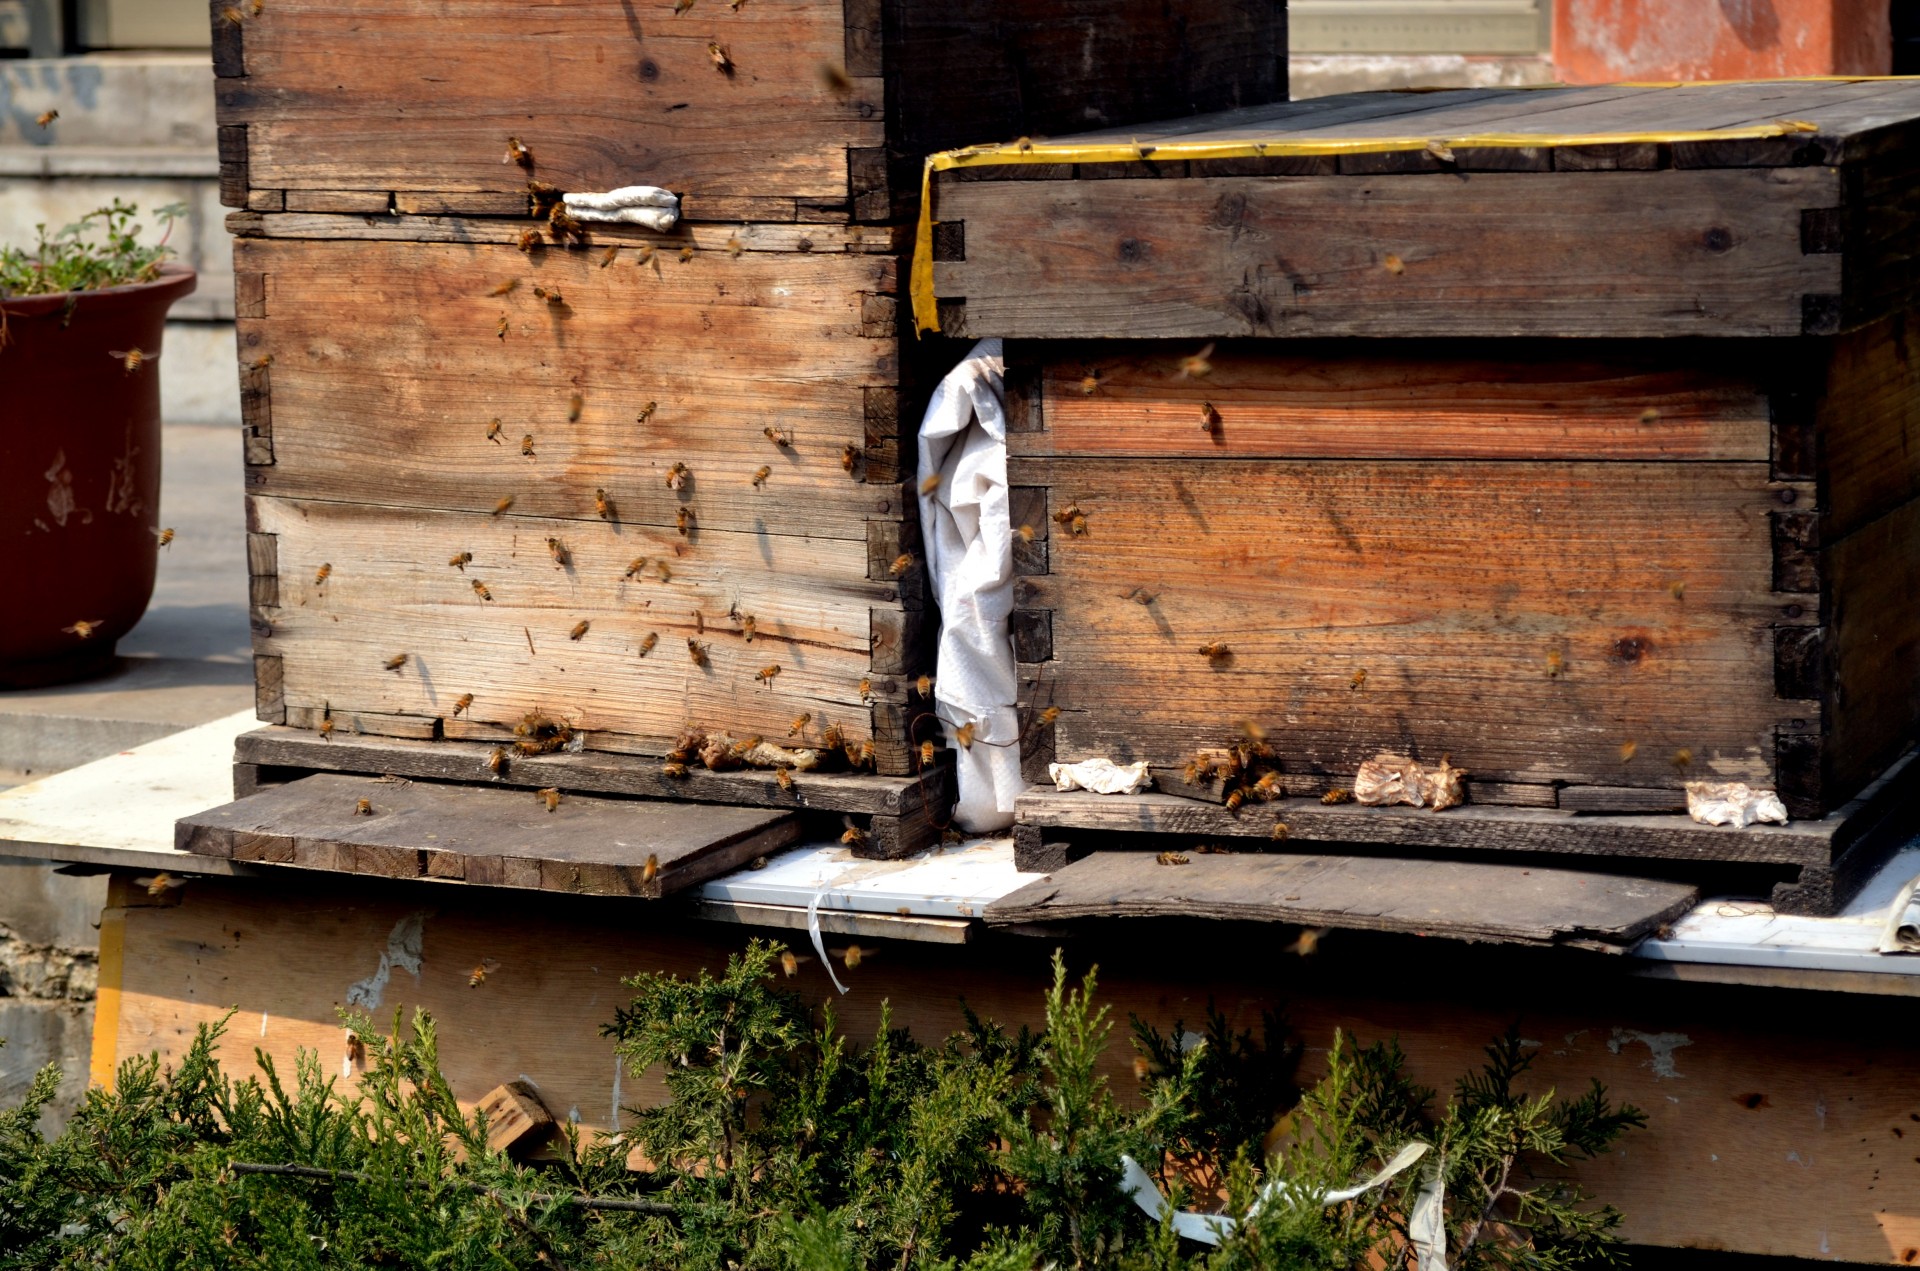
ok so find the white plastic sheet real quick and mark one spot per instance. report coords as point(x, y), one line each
point(646, 205)
point(1213, 1228)
point(967, 532)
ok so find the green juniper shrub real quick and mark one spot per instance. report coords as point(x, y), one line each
point(782, 1146)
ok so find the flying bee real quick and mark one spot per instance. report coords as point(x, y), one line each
point(1209, 418)
point(261, 363)
point(84, 628)
point(848, 457)
point(1556, 664)
point(497, 761)
point(395, 662)
point(551, 797)
point(635, 566)
point(460, 560)
point(603, 505)
point(1627, 750)
point(579, 629)
point(748, 626)
point(926, 754)
point(477, 976)
point(323, 573)
point(1649, 416)
point(1441, 151)
point(481, 590)
point(1026, 533)
point(506, 288)
point(464, 704)
point(1358, 680)
point(529, 241)
point(800, 723)
point(608, 256)
point(964, 736)
point(697, 651)
point(677, 476)
point(760, 475)
point(1215, 651)
point(500, 328)
point(646, 412)
point(518, 153)
point(864, 758)
point(648, 641)
point(526, 445)
point(1683, 758)
point(833, 79)
point(686, 253)
point(1171, 858)
point(683, 520)
point(494, 429)
point(650, 870)
point(1393, 264)
point(853, 955)
point(722, 62)
point(575, 405)
point(866, 687)
point(232, 15)
point(766, 673)
point(784, 775)
point(643, 254)
point(901, 564)
point(666, 572)
point(133, 359)
point(924, 686)
point(789, 964)
point(1336, 795)
point(499, 509)
point(931, 484)
point(558, 550)
point(1198, 366)
point(46, 118)
point(1307, 942)
point(1090, 383)
point(854, 836)
point(164, 537)
point(363, 808)
point(734, 245)
point(778, 436)
point(1677, 589)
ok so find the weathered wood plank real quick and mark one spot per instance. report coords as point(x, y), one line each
point(1872, 577)
point(583, 845)
point(1497, 254)
point(1431, 898)
point(1543, 623)
point(465, 222)
point(1868, 423)
point(1445, 402)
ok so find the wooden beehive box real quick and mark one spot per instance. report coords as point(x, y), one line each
point(696, 508)
point(1590, 461)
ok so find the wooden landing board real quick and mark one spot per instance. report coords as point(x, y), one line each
point(499, 838)
point(590, 773)
point(1455, 899)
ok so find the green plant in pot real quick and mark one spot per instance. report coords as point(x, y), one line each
point(82, 314)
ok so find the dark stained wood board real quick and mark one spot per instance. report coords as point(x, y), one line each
point(590, 773)
point(387, 372)
point(501, 838)
point(1455, 899)
point(1531, 619)
point(1484, 254)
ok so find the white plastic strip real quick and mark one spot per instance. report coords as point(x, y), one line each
point(1213, 1228)
point(819, 945)
point(645, 205)
point(1427, 1224)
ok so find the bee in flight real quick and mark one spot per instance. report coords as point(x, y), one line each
point(133, 359)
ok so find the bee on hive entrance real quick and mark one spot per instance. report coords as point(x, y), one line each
point(1358, 680)
point(697, 651)
point(748, 626)
point(1336, 795)
point(854, 836)
point(321, 574)
point(634, 566)
point(551, 797)
point(1209, 418)
point(1171, 858)
point(799, 724)
point(363, 808)
point(465, 703)
point(529, 241)
point(677, 476)
point(261, 363)
point(760, 475)
point(326, 721)
point(778, 436)
point(643, 256)
point(848, 457)
point(395, 662)
point(575, 405)
point(500, 327)
point(526, 445)
point(579, 629)
point(133, 359)
point(603, 505)
point(558, 550)
point(686, 253)
point(901, 564)
point(721, 60)
point(518, 153)
point(784, 775)
point(481, 590)
point(766, 673)
point(494, 429)
point(1215, 651)
point(497, 761)
point(866, 687)
point(609, 256)
point(683, 518)
point(648, 641)
point(734, 245)
point(646, 412)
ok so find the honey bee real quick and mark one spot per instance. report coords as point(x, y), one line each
point(854, 836)
point(543, 195)
point(1215, 651)
point(1627, 751)
point(675, 769)
point(561, 223)
point(500, 328)
point(480, 589)
point(1090, 382)
point(464, 704)
point(681, 6)
point(163, 537)
point(666, 572)
point(518, 153)
point(1026, 533)
point(1197, 366)
point(1677, 589)
point(634, 566)
point(683, 520)
point(833, 79)
point(1307, 942)
point(500, 508)
point(1556, 664)
point(789, 964)
point(1049, 716)
point(261, 363)
point(497, 761)
point(608, 256)
point(800, 723)
point(863, 758)
point(760, 475)
point(963, 735)
point(1649, 416)
point(853, 955)
point(46, 117)
point(784, 775)
point(1683, 758)
point(648, 641)
point(526, 444)
point(326, 722)
point(1077, 525)
point(363, 808)
point(1066, 514)
point(1234, 799)
point(677, 476)
point(558, 550)
point(529, 241)
point(553, 297)
point(778, 436)
point(575, 405)
point(133, 359)
point(926, 754)
point(395, 662)
point(643, 254)
point(848, 457)
point(931, 484)
point(494, 429)
point(506, 288)
point(650, 870)
point(603, 505)
point(1209, 418)
point(477, 976)
point(1336, 795)
point(832, 737)
point(1268, 788)
point(697, 651)
point(766, 673)
point(579, 629)
point(321, 574)
point(866, 687)
point(232, 15)
point(686, 253)
point(1358, 680)
point(84, 628)
point(901, 564)
point(1279, 832)
point(924, 686)
point(1171, 858)
point(734, 245)
point(718, 56)
point(551, 797)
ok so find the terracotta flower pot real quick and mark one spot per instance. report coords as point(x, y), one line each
point(79, 475)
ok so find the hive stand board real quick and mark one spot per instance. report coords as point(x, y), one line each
point(1807, 233)
point(1585, 569)
point(787, 112)
point(1456, 899)
point(1833, 855)
point(584, 845)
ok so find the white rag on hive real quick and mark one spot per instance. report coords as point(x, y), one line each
point(967, 535)
point(647, 205)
